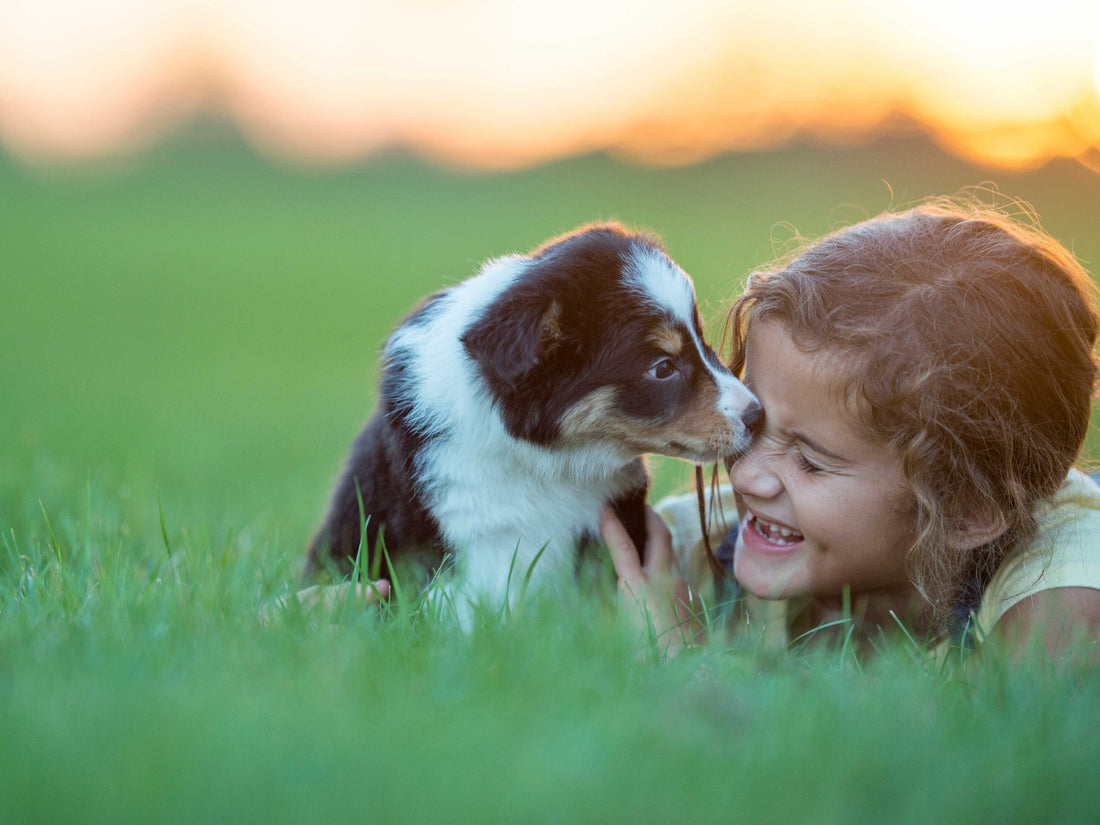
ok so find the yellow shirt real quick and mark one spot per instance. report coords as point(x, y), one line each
point(1064, 552)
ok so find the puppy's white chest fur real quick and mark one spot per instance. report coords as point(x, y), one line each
point(501, 507)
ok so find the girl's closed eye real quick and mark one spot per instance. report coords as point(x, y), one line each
point(806, 465)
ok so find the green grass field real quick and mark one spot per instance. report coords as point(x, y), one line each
point(188, 343)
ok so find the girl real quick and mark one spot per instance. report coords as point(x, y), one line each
point(926, 378)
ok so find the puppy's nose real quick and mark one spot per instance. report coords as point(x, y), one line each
point(752, 415)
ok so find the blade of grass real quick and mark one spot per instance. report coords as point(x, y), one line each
point(88, 516)
point(363, 518)
point(12, 548)
point(506, 608)
point(847, 641)
point(904, 630)
point(164, 536)
point(53, 539)
point(527, 577)
point(399, 592)
point(826, 626)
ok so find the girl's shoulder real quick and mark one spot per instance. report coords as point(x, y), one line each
point(681, 513)
point(1064, 552)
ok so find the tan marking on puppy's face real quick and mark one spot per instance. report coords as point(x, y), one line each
point(699, 428)
point(697, 431)
point(666, 338)
point(590, 417)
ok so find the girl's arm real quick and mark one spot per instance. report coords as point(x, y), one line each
point(1065, 620)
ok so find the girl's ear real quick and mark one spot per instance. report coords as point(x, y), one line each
point(976, 530)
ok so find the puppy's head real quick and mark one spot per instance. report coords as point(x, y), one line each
point(598, 340)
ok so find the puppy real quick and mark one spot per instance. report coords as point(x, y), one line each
point(513, 405)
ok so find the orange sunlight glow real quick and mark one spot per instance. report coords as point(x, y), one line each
point(505, 83)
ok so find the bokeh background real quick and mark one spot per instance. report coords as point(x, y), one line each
point(212, 212)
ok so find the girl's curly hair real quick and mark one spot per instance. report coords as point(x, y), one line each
point(968, 336)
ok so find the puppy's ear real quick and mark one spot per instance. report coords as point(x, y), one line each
point(514, 334)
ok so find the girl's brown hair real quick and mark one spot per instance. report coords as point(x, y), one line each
point(969, 340)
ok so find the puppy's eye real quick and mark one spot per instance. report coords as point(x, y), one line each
point(662, 370)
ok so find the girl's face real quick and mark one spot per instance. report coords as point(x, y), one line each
point(821, 504)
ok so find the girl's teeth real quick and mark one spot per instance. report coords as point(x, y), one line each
point(780, 535)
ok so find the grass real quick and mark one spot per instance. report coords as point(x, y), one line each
point(155, 696)
point(187, 346)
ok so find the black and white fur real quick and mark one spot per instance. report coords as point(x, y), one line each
point(515, 403)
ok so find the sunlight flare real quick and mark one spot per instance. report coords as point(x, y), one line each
point(494, 83)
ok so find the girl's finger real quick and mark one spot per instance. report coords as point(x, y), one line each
point(658, 546)
point(371, 592)
point(624, 555)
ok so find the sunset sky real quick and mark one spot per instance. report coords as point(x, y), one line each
point(488, 83)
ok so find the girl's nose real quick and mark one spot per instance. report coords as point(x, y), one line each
point(753, 474)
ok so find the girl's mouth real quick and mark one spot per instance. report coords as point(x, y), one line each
point(770, 537)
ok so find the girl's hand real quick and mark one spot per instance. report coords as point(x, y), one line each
point(654, 593)
point(328, 597)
